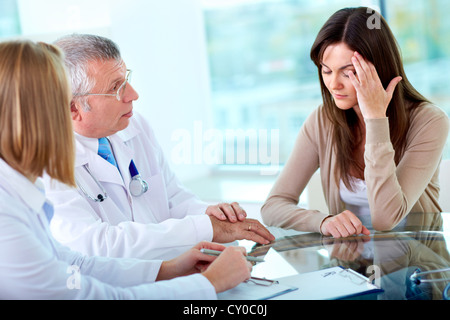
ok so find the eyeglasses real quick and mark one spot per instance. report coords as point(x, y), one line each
point(353, 276)
point(119, 92)
point(262, 281)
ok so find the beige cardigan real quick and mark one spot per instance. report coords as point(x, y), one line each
point(393, 191)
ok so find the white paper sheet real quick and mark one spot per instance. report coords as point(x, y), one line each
point(274, 266)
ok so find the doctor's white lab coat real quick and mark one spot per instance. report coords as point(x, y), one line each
point(160, 224)
point(35, 266)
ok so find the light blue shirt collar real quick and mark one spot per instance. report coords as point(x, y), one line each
point(92, 143)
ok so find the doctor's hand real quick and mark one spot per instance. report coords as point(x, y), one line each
point(190, 262)
point(229, 269)
point(343, 225)
point(249, 229)
point(224, 272)
point(231, 211)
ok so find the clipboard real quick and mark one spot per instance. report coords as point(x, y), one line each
point(329, 284)
point(256, 289)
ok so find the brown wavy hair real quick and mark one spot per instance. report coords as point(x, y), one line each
point(379, 46)
point(36, 132)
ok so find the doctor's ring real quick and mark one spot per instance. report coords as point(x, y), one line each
point(249, 227)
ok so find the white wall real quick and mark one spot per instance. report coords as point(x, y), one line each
point(164, 43)
point(46, 20)
point(50, 16)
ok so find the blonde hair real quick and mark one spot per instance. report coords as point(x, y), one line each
point(36, 132)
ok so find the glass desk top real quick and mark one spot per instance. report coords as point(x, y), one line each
point(421, 242)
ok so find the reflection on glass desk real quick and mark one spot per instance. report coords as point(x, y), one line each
point(420, 243)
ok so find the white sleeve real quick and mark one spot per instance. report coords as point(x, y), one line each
point(34, 266)
point(130, 279)
point(87, 234)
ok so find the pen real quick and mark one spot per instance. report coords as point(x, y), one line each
point(216, 253)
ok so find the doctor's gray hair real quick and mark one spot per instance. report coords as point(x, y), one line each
point(79, 51)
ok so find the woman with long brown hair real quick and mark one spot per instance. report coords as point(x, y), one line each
point(377, 141)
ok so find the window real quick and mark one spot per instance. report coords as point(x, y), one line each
point(261, 73)
point(9, 18)
point(422, 30)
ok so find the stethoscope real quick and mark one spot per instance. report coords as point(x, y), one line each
point(138, 186)
point(418, 275)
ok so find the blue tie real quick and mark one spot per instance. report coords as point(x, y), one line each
point(104, 151)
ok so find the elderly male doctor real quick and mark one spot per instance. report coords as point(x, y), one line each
point(157, 217)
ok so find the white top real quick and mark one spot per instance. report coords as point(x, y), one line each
point(357, 201)
point(160, 224)
point(34, 266)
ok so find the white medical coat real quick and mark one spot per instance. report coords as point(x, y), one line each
point(163, 222)
point(35, 266)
